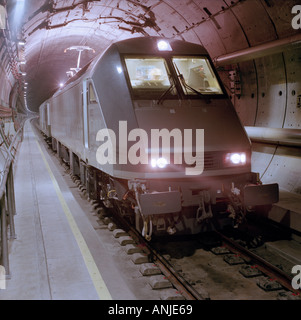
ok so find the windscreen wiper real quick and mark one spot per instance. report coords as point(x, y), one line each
point(169, 89)
point(165, 93)
point(186, 86)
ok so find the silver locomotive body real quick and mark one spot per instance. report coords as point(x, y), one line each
point(105, 120)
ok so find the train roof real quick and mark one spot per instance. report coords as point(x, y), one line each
point(147, 45)
point(138, 45)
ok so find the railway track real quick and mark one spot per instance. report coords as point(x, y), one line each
point(272, 281)
point(277, 277)
point(182, 286)
point(178, 281)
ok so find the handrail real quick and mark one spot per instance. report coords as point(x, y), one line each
point(7, 200)
point(9, 160)
point(259, 51)
point(281, 136)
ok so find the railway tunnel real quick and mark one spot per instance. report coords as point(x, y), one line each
point(255, 46)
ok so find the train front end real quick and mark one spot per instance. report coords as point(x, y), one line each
point(188, 156)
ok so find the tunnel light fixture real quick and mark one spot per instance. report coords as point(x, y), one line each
point(119, 69)
point(21, 43)
point(163, 45)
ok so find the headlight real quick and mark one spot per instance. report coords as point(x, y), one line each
point(236, 159)
point(160, 163)
point(163, 45)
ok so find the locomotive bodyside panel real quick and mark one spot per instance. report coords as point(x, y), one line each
point(115, 104)
point(112, 90)
point(45, 119)
point(67, 119)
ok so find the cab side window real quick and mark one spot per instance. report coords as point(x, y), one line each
point(92, 95)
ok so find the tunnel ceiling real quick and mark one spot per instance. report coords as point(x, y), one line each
point(49, 28)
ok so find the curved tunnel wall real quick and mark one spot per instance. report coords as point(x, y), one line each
point(269, 86)
point(6, 86)
point(270, 89)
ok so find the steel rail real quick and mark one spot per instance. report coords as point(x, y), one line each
point(183, 287)
point(266, 267)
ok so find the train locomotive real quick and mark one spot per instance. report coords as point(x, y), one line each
point(149, 129)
